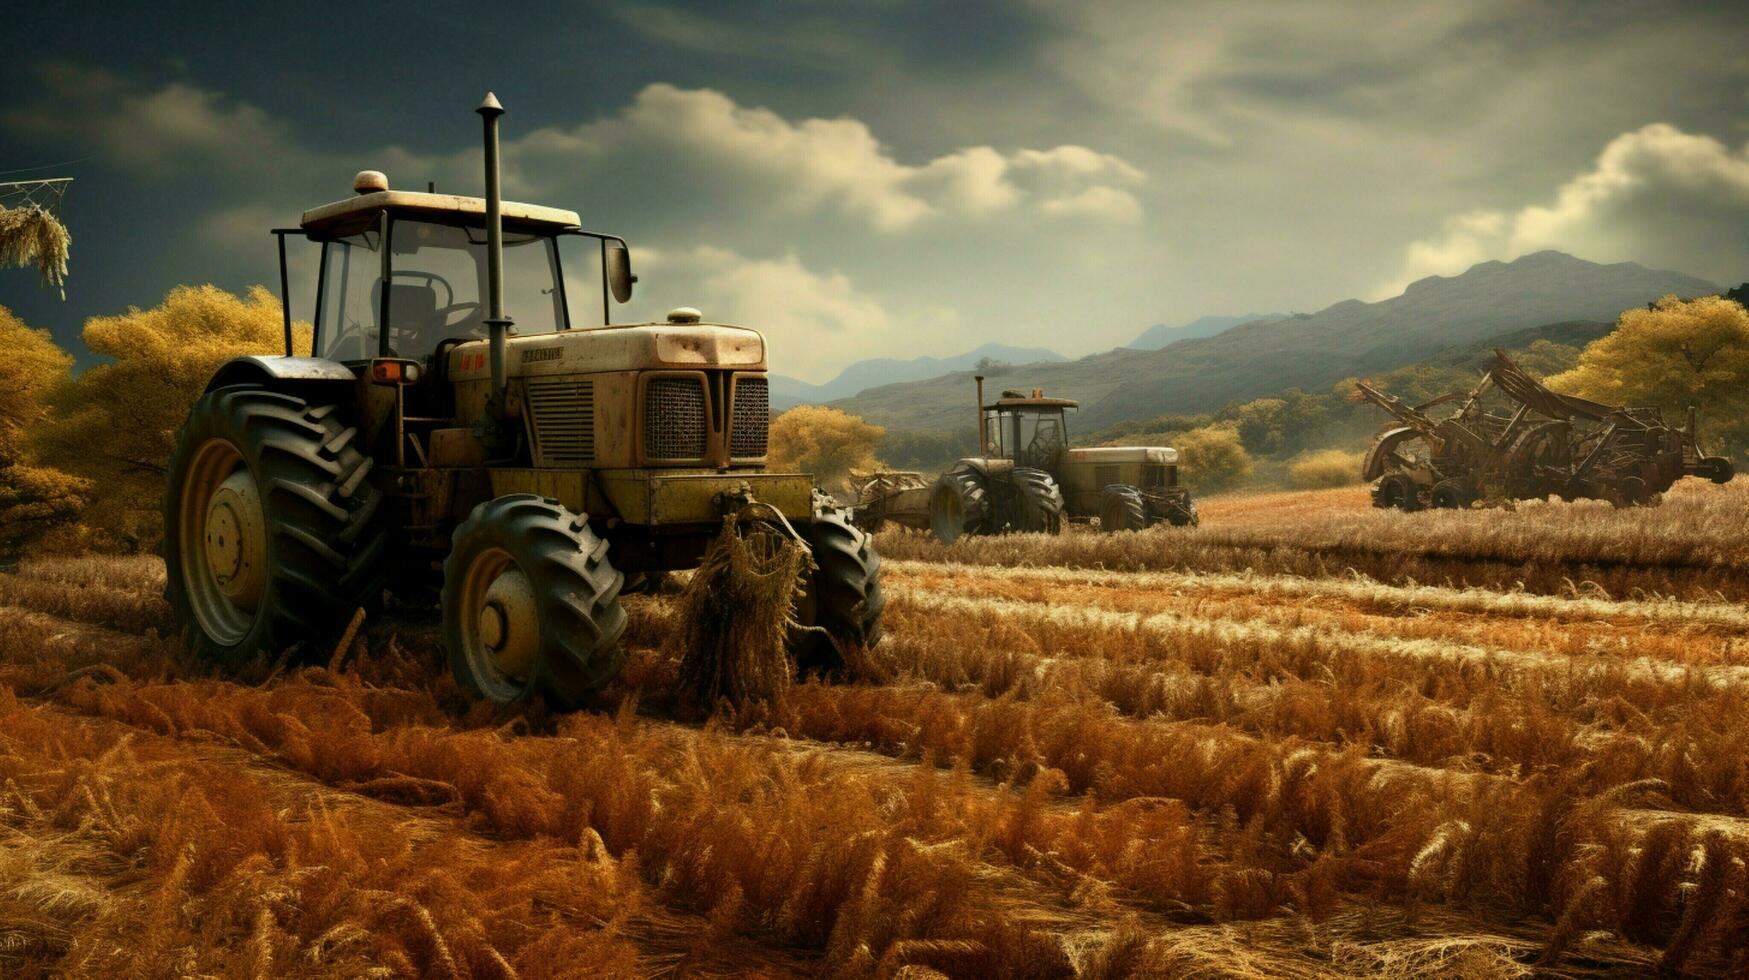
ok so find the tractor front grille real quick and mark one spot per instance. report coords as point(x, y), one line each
point(752, 418)
point(674, 418)
point(564, 422)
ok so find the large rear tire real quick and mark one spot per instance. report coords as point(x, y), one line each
point(531, 604)
point(1038, 500)
point(842, 597)
point(1122, 508)
point(959, 504)
point(270, 536)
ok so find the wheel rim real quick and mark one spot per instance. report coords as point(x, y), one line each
point(500, 627)
point(222, 542)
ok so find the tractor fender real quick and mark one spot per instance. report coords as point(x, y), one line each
point(266, 369)
point(989, 467)
point(1382, 448)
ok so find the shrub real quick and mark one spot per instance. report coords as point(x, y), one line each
point(827, 443)
point(1213, 457)
point(1325, 468)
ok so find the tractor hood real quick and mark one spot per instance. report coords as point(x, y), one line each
point(644, 346)
point(1124, 454)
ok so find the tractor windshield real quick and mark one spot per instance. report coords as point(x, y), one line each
point(1029, 436)
point(1040, 438)
point(437, 289)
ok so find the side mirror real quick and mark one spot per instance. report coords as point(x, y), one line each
point(616, 264)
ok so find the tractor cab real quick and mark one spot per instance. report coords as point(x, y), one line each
point(1030, 429)
point(431, 251)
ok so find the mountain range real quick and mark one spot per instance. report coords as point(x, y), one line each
point(1159, 335)
point(787, 392)
point(1306, 350)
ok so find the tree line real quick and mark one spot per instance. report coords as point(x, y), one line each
point(82, 457)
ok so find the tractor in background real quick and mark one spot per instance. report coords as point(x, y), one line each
point(1029, 478)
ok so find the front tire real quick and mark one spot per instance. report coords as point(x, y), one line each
point(842, 597)
point(1039, 501)
point(531, 604)
point(959, 504)
point(1450, 495)
point(270, 530)
point(1121, 508)
point(1397, 490)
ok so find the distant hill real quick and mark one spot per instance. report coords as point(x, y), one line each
point(1159, 335)
point(1310, 351)
point(787, 392)
point(1473, 356)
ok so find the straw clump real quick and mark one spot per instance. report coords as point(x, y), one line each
point(32, 236)
point(737, 613)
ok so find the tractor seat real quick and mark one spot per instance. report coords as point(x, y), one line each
point(412, 317)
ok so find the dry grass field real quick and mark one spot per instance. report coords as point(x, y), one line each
point(1306, 739)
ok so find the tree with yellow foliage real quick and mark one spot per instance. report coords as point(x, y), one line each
point(1212, 457)
point(117, 422)
point(1676, 354)
point(33, 499)
point(827, 443)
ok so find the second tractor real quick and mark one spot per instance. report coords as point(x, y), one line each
point(1028, 477)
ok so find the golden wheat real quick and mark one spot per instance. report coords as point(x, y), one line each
point(1208, 752)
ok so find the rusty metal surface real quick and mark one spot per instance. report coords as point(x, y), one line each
point(898, 496)
point(1513, 438)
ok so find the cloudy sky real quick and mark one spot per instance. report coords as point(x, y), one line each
point(890, 178)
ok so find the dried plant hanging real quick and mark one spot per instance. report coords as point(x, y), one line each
point(31, 232)
point(738, 614)
point(31, 235)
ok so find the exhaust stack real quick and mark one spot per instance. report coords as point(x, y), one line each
point(497, 324)
point(980, 428)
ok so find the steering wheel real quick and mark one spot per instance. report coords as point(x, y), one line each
point(447, 315)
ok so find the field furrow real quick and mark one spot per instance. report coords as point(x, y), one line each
point(1175, 752)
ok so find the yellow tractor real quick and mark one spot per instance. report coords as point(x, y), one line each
point(456, 431)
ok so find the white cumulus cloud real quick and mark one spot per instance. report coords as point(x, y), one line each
point(1654, 194)
point(813, 321)
point(831, 163)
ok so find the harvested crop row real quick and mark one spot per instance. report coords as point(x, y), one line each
point(1095, 854)
point(1685, 548)
point(130, 857)
point(1342, 823)
point(1464, 717)
point(1693, 618)
point(1261, 647)
point(1684, 644)
point(729, 831)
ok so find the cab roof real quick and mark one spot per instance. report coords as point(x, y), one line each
point(1040, 402)
point(357, 213)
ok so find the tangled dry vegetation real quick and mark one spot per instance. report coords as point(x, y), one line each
point(1306, 739)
